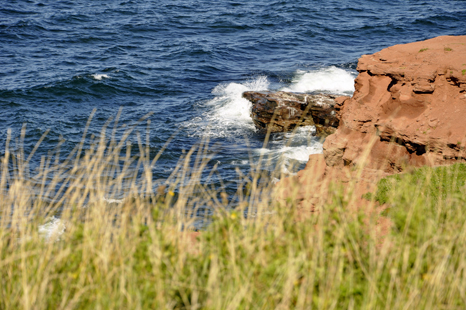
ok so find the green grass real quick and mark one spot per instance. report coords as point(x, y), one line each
point(137, 256)
point(437, 183)
point(432, 199)
point(423, 49)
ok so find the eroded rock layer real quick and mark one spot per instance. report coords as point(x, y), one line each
point(408, 108)
point(283, 111)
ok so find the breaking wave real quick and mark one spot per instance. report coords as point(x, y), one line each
point(227, 116)
point(329, 80)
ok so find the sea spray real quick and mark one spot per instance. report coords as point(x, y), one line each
point(330, 80)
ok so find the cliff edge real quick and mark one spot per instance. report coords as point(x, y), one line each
point(408, 108)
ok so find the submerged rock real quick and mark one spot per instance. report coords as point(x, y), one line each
point(283, 111)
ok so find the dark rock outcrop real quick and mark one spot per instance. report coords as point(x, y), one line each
point(283, 111)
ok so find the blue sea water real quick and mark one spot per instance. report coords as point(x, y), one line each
point(188, 62)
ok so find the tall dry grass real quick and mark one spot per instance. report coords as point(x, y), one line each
point(141, 254)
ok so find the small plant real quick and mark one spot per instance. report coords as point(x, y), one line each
point(423, 50)
point(463, 71)
point(447, 49)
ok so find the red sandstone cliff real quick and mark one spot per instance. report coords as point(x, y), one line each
point(409, 105)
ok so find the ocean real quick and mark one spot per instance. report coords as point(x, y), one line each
point(187, 63)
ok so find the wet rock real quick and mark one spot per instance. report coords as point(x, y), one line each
point(283, 111)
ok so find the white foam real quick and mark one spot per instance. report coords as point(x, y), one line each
point(55, 227)
point(301, 153)
point(291, 149)
point(331, 79)
point(52, 229)
point(118, 201)
point(99, 77)
point(302, 144)
point(240, 162)
point(229, 115)
point(263, 151)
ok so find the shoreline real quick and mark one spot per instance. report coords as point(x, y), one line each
point(407, 111)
